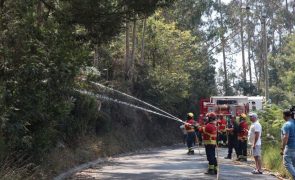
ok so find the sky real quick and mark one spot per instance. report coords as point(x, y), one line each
point(225, 1)
point(237, 57)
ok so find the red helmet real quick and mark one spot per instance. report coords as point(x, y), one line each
point(211, 115)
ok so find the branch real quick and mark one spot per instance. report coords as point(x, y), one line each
point(49, 6)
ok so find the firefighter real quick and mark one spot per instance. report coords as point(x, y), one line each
point(232, 131)
point(242, 138)
point(191, 135)
point(221, 124)
point(209, 132)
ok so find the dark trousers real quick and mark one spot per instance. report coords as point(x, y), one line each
point(199, 136)
point(242, 148)
point(222, 137)
point(190, 139)
point(232, 144)
point(210, 153)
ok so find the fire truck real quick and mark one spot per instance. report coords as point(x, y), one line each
point(224, 105)
point(230, 105)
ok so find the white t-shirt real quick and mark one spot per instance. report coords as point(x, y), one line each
point(255, 127)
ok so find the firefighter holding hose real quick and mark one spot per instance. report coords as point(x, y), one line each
point(209, 132)
point(191, 135)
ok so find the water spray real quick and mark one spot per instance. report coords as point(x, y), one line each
point(106, 98)
point(134, 98)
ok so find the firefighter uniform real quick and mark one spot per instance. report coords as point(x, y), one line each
point(221, 123)
point(209, 132)
point(232, 131)
point(242, 138)
point(191, 135)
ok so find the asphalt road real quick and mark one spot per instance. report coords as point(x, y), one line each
point(168, 163)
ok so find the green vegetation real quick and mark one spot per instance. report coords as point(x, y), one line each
point(283, 74)
point(282, 93)
point(272, 159)
point(49, 48)
point(272, 120)
point(161, 51)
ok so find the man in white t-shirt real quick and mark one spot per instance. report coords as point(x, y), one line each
point(254, 139)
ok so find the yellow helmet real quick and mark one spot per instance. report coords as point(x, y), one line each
point(190, 114)
point(243, 115)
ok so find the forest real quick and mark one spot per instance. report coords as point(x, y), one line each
point(169, 53)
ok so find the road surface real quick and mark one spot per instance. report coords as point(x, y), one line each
point(167, 163)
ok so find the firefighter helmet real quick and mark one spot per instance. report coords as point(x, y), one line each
point(243, 115)
point(211, 116)
point(190, 115)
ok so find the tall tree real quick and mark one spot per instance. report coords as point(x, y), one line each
point(242, 42)
point(132, 58)
point(143, 41)
point(127, 51)
point(226, 83)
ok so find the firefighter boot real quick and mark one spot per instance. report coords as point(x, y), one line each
point(239, 158)
point(211, 170)
point(191, 151)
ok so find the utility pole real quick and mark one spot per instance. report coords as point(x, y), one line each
point(242, 43)
point(265, 58)
point(223, 51)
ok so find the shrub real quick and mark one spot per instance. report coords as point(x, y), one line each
point(272, 159)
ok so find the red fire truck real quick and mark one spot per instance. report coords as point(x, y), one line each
point(224, 105)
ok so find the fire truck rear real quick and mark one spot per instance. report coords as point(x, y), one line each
point(224, 106)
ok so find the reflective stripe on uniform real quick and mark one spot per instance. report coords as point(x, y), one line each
point(242, 137)
point(211, 136)
point(211, 167)
point(211, 142)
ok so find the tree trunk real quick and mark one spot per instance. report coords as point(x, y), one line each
point(249, 48)
point(1, 4)
point(261, 59)
point(39, 13)
point(127, 51)
point(273, 42)
point(243, 47)
point(95, 57)
point(154, 58)
point(260, 73)
point(280, 38)
point(226, 84)
point(142, 41)
point(132, 58)
point(288, 20)
point(266, 62)
point(256, 71)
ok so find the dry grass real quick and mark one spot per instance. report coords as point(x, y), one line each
point(18, 167)
point(90, 148)
point(64, 157)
